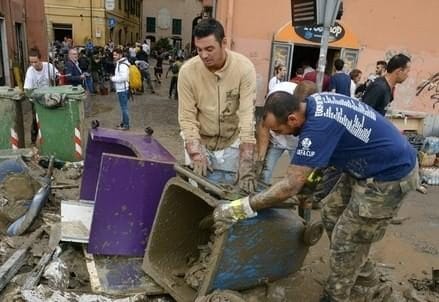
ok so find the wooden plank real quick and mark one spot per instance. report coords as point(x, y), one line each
point(95, 283)
point(35, 275)
point(18, 258)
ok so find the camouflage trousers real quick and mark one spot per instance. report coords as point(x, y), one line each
point(356, 214)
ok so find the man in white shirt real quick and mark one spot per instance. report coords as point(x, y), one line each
point(145, 47)
point(38, 75)
point(121, 83)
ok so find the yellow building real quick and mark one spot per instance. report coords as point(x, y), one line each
point(100, 20)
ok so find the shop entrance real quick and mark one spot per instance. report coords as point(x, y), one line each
point(309, 55)
point(62, 30)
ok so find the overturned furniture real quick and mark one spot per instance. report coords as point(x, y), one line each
point(254, 251)
point(124, 176)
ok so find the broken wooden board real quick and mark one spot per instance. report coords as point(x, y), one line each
point(119, 275)
point(76, 217)
point(18, 258)
point(34, 277)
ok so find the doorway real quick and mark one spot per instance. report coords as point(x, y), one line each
point(20, 46)
point(62, 30)
point(304, 54)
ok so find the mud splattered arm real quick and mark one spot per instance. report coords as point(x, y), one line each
point(287, 187)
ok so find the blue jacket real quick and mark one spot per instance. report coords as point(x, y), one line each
point(73, 73)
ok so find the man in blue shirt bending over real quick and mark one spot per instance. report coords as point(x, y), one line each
point(379, 168)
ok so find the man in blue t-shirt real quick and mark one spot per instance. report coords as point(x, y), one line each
point(379, 166)
point(340, 81)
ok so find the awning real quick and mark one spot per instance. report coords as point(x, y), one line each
point(288, 34)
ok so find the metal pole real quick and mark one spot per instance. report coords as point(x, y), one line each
point(91, 20)
point(330, 12)
point(322, 58)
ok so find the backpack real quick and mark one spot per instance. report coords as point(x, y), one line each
point(175, 68)
point(135, 77)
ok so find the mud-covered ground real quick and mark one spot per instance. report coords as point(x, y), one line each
point(405, 256)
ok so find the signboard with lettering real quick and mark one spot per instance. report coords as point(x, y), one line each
point(314, 33)
point(109, 4)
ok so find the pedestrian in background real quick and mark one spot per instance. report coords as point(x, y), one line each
point(121, 83)
point(174, 68)
point(340, 81)
point(379, 94)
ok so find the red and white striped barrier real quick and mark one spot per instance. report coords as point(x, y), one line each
point(78, 148)
point(14, 139)
point(39, 135)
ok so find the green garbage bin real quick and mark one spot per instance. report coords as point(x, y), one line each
point(60, 127)
point(11, 118)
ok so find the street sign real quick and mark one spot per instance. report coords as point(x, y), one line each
point(304, 12)
point(109, 4)
point(111, 22)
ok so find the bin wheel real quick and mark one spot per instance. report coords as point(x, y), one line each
point(313, 232)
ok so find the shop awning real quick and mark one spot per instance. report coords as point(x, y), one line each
point(288, 34)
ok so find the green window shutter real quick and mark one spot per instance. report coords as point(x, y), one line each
point(150, 24)
point(176, 26)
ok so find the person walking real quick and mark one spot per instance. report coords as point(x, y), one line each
point(175, 69)
point(379, 94)
point(340, 81)
point(121, 83)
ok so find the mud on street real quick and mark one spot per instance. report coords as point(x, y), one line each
point(405, 256)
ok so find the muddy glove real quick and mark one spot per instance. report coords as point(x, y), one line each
point(259, 167)
point(227, 214)
point(197, 153)
point(246, 171)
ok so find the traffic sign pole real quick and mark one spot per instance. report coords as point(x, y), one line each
point(330, 9)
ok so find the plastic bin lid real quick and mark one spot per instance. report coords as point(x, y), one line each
point(11, 93)
point(69, 90)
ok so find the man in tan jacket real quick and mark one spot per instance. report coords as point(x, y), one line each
point(217, 90)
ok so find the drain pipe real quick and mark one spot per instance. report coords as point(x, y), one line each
point(91, 20)
point(229, 22)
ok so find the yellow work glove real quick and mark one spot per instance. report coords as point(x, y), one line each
point(227, 214)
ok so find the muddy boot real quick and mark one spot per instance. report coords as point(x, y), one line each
point(368, 276)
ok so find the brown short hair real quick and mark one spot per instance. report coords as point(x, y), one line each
point(305, 89)
point(34, 52)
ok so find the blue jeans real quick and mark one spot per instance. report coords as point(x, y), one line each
point(273, 155)
point(123, 102)
point(222, 177)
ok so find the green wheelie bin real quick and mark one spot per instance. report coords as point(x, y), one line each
point(11, 118)
point(60, 118)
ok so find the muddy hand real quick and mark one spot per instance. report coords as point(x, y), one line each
point(247, 183)
point(227, 214)
point(200, 165)
point(197, 153)
point(246, 171)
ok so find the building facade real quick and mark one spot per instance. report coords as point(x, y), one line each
point(21, 27)
point(173, 19)
point(98, 20)
point(368, 31)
